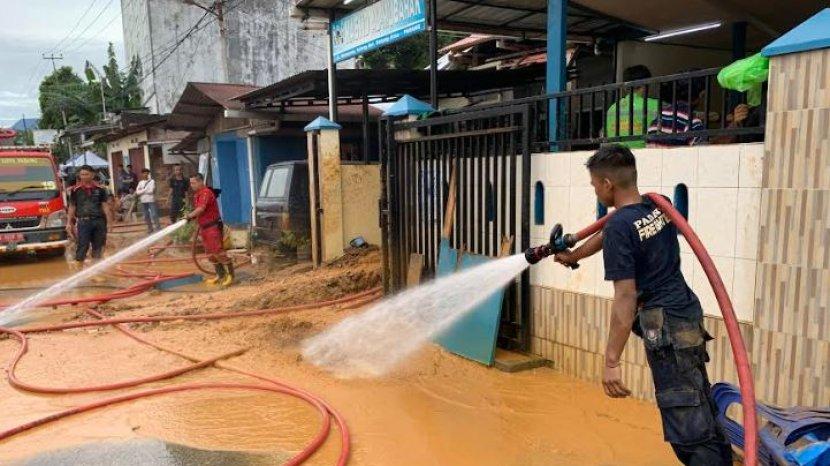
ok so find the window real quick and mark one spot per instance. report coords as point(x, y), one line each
point(278, 186)
point(681, 200)
point(539, 209)
point(263, 188)
point(602, 211)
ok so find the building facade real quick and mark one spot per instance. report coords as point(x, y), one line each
point(178, 42)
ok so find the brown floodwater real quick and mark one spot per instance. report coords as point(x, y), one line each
point(438, 409)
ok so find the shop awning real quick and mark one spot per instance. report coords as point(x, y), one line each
point(200, 103)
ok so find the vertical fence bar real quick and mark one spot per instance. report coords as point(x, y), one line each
point(591, 114)
point(525, 284)
point(480, 151)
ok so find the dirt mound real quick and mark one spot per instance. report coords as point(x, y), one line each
point(357, 271)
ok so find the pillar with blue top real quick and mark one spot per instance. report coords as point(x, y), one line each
point(325, 190)
point(555, 78)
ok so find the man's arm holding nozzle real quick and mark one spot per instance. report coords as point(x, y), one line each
point(590, 247)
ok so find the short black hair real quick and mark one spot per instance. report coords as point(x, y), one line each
point(617, 163)
point(145, 170)
point(198, 176)
point(636, 72)
point(87, 168)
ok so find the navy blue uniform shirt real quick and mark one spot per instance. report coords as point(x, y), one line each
point(640, 242)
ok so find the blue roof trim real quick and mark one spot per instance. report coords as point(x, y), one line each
point(408, 105)
point(812, 34)
point(321, 123)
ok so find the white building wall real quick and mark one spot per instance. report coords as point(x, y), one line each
point(724, 186)
point(265, 45)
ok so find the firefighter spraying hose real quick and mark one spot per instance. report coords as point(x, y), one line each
point(641, 256)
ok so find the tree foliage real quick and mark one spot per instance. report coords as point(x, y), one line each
point(411, 53)
point(80, 98)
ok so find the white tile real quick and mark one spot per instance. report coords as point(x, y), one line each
point(715, 222)
point(717, 166)
point(748, 223)
point(680, 166)
point(751, 170)
point(701, 287)
point(649, 166)
point(743, 289)
point(559, 169)
point(558, 274)
point(559, 208)
point(578, 173)
point(538, 168)
point(583, 209)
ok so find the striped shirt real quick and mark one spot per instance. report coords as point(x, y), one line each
point(667, 123)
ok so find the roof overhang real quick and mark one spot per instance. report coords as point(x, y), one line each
point(310, 88)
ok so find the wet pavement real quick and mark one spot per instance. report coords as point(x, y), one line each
point(147, 452)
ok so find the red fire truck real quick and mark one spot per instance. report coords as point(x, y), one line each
point(32, 209)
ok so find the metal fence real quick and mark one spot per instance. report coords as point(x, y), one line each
point(651, 111)
point(490, 150)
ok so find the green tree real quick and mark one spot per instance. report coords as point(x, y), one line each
point(64, 91)
point(80, 99)
point(411, 53)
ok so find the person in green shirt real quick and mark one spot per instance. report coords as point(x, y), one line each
point(640, 124)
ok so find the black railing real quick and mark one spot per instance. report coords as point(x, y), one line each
point(679, 109)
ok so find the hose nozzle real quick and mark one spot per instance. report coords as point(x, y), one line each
point(559, 242)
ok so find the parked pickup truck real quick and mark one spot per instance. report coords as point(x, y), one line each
point(282, 204)
point(32, 210)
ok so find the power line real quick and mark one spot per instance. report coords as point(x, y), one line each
point(94, 20)
point(74, 28)
point(96, 35)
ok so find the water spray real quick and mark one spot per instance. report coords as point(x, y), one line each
point(12, 314)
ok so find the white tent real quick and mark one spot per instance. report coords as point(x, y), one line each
point(87, 158)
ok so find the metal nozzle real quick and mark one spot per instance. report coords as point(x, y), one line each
point(558, 242)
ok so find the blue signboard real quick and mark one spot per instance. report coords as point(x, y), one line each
point(378, 24)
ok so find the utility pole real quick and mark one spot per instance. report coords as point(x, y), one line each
point(54, 57)
point(218, 11)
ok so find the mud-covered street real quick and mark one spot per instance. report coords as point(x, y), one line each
point(436, 409)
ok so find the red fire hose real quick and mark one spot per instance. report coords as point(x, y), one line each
point(736, 340)
point(149, 279)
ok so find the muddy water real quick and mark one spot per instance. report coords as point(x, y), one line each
point(25, 271)
point(437, 409)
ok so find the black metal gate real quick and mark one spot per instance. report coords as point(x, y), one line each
point(490, 150)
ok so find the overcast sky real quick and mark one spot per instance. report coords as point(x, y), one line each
point(77, 29)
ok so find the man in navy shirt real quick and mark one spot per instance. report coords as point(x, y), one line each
point(651, 298)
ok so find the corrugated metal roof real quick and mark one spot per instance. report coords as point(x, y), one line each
point(201, 102)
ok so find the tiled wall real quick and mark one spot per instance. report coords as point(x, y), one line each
point(764, 213)
point(724, 186)
point(792, 306)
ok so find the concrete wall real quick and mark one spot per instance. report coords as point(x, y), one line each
point(361, 192)
point(571, 309)
point(264, 45)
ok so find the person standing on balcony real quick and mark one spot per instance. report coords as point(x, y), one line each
point(146, 191)
point(632, 123)
point(676, 120)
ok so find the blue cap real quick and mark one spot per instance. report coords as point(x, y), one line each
point(321, 123)
point(408, 105)
point(812, 34)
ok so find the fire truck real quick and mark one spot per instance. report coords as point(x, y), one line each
point(32, 208)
